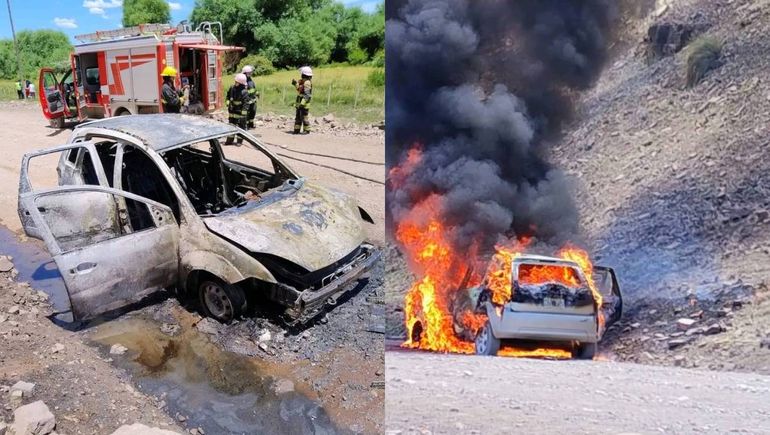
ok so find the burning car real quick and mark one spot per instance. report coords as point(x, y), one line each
point(149, 202)
point(529, 299)
point(551, 301)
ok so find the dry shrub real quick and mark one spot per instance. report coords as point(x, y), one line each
point(703, 55)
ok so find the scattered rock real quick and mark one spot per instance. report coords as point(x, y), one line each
point(714, 328)
point(678, 342)
point(181, 418)
point(208, 325)
point(14, 310)
point(140, 429)
point(5, 264)
point(265, 336)
point(169, 328)
point(56, 348)
point(25, 387)
point(3, 428)
point(329, 118)
point(684, 324)
point(118, 349)
point(33, 419)
point(282, 386)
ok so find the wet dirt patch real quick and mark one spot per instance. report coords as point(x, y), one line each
point(203, 386)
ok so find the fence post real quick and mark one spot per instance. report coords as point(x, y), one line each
point(283, 95)
point(329, 95)
point(355, 101)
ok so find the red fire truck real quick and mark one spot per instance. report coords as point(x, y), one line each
point(117, 72)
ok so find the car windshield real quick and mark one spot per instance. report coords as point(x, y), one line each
point(226, 172)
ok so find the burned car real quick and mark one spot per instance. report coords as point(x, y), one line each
point(148, 202)
point(550, 301)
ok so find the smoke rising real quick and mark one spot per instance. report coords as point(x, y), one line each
point(483, 88)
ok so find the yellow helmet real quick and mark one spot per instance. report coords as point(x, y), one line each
point(168, 71)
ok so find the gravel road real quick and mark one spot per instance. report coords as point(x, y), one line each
point(470, 394)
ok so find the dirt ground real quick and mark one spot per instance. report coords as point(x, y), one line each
point(333, 365)
point(484, 395)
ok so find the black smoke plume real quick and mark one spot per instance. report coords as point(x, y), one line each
point(484, 87)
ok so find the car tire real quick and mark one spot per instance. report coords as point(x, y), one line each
point(486, 343)
point(57, 122)
point(221, 301)
point(586, 351)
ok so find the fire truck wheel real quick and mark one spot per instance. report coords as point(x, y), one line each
point(57, 122)
point(486, 343)
point(221, 301)
point(586, 351)
point(122, 112)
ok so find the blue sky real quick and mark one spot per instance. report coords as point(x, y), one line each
point(75, 17)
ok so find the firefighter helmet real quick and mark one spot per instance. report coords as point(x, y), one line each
point(168, 71)
point(306, 71)
point(248, 69)
point(240, 78)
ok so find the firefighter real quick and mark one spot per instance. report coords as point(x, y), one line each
point(171, 98)
point(302, 104)
point(19, 90)
point(252, 88)
point(238, 101)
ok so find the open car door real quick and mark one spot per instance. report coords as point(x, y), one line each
point(51, 95)
point(112, 248)
point(607, 284)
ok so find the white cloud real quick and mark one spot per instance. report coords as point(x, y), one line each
point(98, 11)
point(102, 4)
point(65, 23)
point(175, 6)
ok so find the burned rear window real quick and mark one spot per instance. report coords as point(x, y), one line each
point(538, 274)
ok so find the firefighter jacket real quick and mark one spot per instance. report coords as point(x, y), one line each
point(238, 101)
point(170, 98)
point(304, 93)
point(252, 88)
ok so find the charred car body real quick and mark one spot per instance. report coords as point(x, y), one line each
point(159, 201)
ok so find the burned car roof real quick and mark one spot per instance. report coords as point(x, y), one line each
point(164, 131)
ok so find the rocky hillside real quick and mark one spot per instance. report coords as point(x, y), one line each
point(672, 183)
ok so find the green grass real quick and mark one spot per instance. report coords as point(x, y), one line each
point(341, 90)
point(8, 90)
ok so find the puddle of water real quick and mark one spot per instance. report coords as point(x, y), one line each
point(219, 391)
point(36, 267)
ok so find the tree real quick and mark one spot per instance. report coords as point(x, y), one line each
point(137, 12)
point(238, 18)
point(38, 48)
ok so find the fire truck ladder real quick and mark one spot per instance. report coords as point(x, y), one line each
point(106, 35)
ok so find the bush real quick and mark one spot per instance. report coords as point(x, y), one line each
point(379, 59)
point(703, 55)
point(376, 78)
point(262, 65)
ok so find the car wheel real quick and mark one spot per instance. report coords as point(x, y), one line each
point(486, 343)
point(586, 351)
point(57, 122)
point(221, 301)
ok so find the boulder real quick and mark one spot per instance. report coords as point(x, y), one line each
point(33, 419)
point(5, 264)
point(668, 38)
point(140, 429)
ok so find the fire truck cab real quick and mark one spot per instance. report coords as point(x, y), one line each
point(117, 72)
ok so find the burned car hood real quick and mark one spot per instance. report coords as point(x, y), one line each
point(308, 225)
